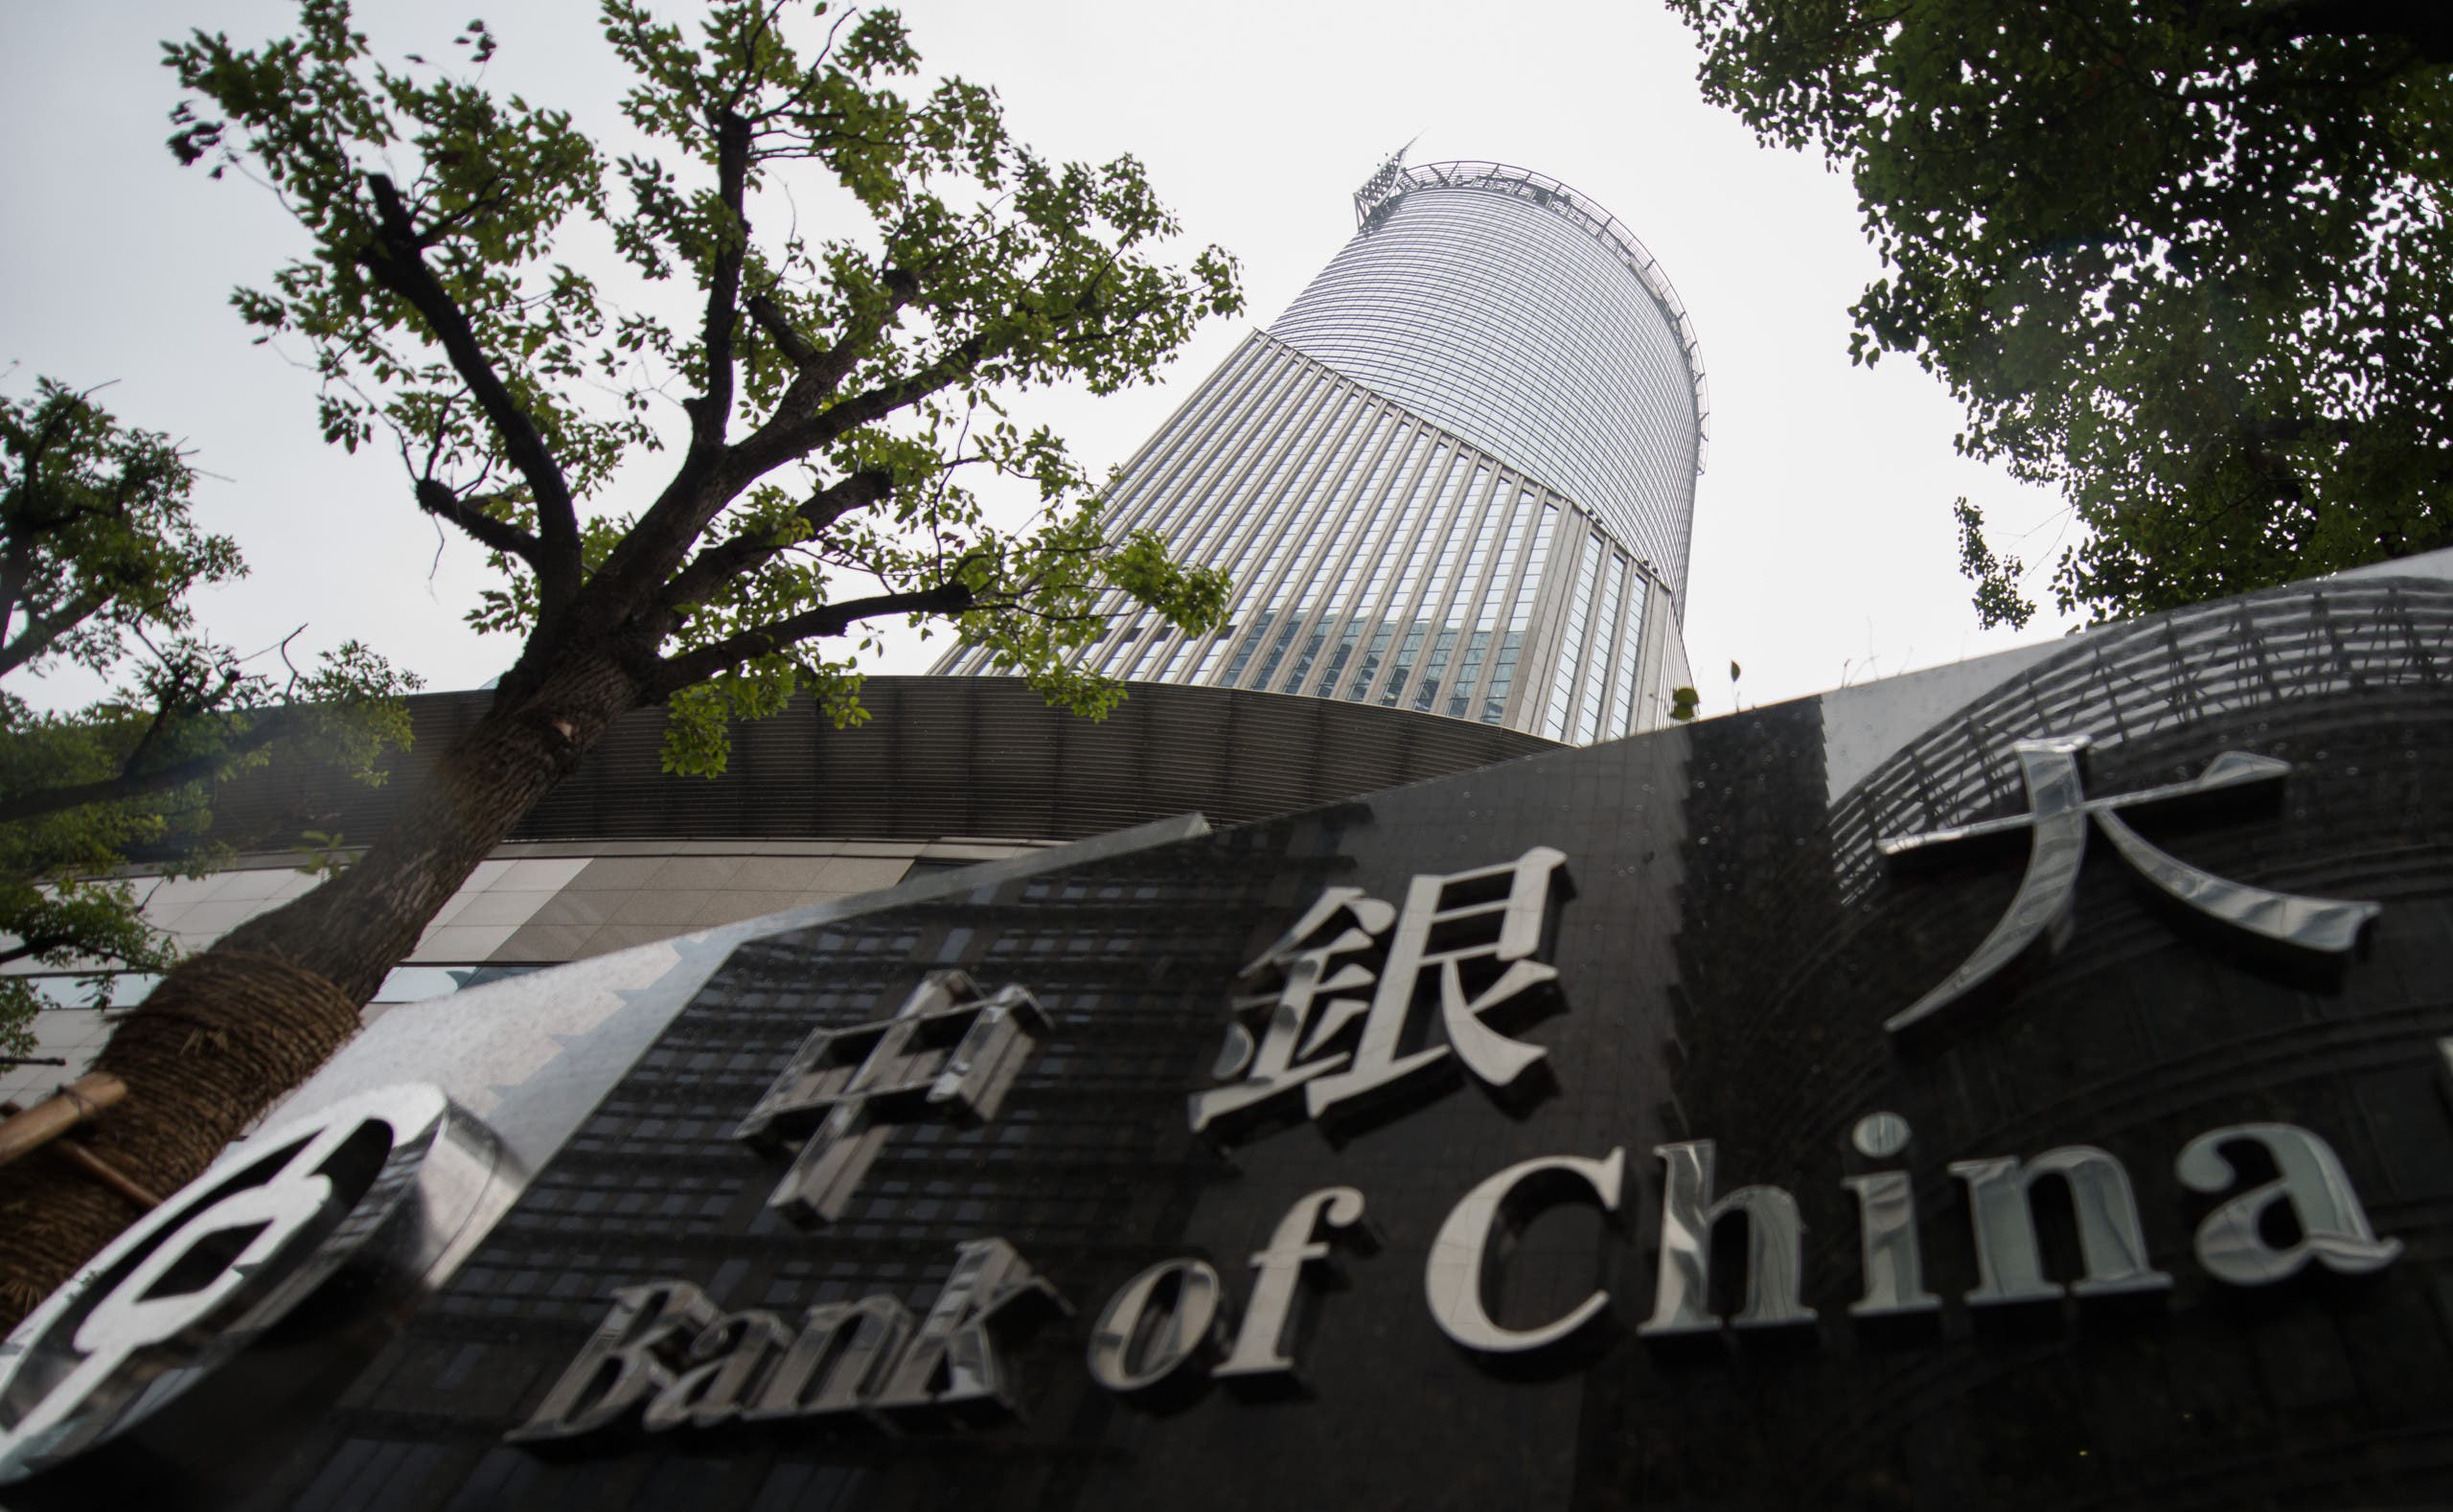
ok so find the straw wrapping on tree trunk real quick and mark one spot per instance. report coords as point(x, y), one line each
point(212, 1048)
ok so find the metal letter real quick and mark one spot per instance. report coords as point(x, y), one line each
point(1131, 1350)
point(1469, 934)
point(946, 1050)
point(2322, 926)
point(632, 1355)
point(2058, 814)
point(734, 1349)
point(952, 1360)
point(2334, 1227)
point(1894, 1261)
point(1775, 1248)
point(1895, 1265)
point(1267, 1067)
point(1879, 1137)
point(1448, 921)
point(1460, 1254)
point(2001, 1210)
point(2039, 912)
point(846, 1347)
point(1260, 1346)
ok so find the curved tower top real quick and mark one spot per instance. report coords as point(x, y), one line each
point(1505, 306)
point(1457, 476)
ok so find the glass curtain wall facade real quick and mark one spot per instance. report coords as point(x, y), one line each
point(1457, 476)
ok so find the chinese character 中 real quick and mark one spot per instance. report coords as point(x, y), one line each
point(1471, 933)
point(948, 1052)
point(2057, 817)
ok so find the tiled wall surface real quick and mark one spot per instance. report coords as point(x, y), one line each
point(549, 902)
point(606, 904)
point(537, 904)
point(71, 1035)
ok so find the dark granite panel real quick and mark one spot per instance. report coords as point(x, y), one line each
point(1729, 949)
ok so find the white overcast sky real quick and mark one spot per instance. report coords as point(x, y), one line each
point(1824, 550)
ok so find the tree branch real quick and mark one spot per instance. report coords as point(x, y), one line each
point(496, 535)
point(185, 697)
point(743, 552)
point(677, 672)
point(2426, 25)
point(820, 371)
point(790, 436)
point(711, 411)
point(655, 547)
point(397, 260)
point(796, 347)
point(28, 948)
point(42, 630)
point(129, 783)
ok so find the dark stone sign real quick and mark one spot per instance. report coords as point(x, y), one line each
point(2050, 1112)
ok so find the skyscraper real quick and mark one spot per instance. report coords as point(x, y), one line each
point(1457, 475)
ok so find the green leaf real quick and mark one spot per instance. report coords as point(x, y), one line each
point(2190, 266)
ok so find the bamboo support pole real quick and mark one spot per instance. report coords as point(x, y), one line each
point(95, 1166)
point(63, 1111)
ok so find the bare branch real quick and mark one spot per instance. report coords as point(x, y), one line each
point(711, 411)
point(796, 347)
point(397, 260)
point(437, 499)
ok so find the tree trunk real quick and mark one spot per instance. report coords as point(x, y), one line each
point(228, 1031)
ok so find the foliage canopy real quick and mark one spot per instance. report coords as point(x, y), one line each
point(526, 316)
point(841, 387)
point(2187, 260)
point(99, 551)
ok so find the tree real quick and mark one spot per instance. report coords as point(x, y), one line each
point(842, 394)
point(2187, 260)
point(99, 550)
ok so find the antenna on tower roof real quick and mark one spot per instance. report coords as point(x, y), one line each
point(1381, 187)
